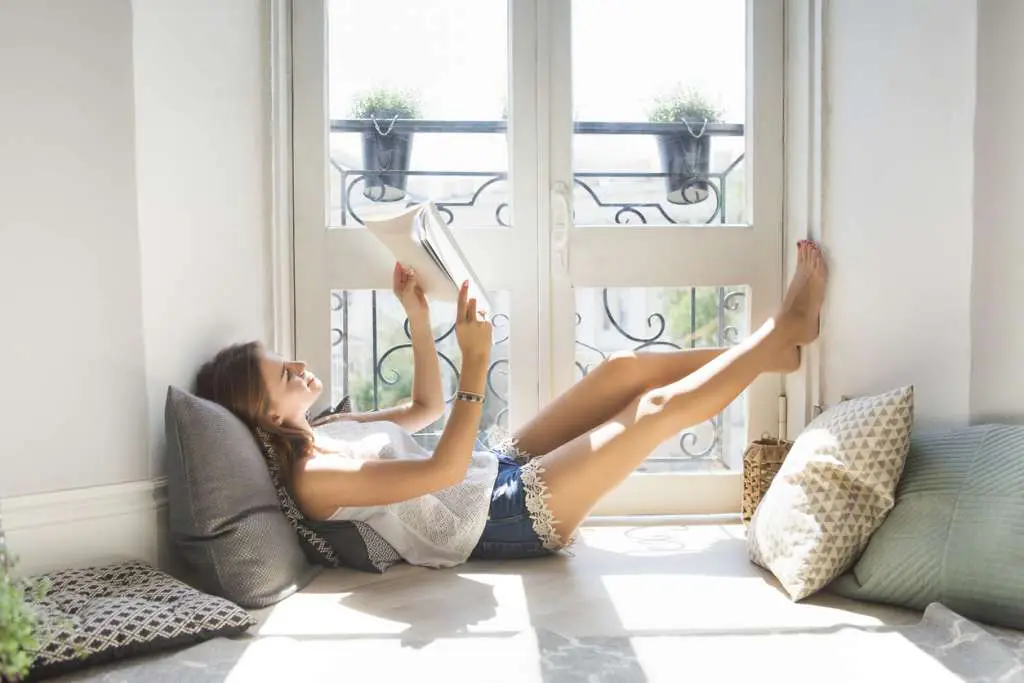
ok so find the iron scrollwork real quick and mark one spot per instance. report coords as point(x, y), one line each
point(621, 213)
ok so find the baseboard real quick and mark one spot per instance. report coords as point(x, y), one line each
point(678, 493)
point(663, 520)
point(88, 526)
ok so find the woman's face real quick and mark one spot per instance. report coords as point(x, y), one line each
point(291, 388)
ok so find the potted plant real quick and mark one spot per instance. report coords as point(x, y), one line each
point(18, 641)
point(386, 153)
point(685, 155)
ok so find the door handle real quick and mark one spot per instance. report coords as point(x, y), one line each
point(561, 217)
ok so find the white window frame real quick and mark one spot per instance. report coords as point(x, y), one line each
point(507, 255)
point(751, 253)
point(805, 120)
point(806, 155)
point(280, 238)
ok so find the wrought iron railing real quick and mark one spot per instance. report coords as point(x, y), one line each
point(622, 212)
point(656, 336)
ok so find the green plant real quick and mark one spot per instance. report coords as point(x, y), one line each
point(704, 316)
point(18, 622)
point(385, 103)
point(687, 104)
point(388, 395)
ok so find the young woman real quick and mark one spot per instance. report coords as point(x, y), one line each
point(525, 499)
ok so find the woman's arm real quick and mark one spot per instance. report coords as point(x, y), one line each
point(426, 405)
point(325, 483)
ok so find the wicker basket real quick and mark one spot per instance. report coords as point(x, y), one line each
point(761, 462)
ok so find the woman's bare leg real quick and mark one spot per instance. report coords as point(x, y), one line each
point(579, 473)
point(609, 388)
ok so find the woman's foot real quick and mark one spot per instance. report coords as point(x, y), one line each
point(789, 360)
point(801, 308)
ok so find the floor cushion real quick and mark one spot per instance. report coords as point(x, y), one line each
point(956, 534)
point(100, 614)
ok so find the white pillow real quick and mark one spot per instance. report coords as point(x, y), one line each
point(834, 490)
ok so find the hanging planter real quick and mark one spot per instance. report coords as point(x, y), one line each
point(685, 155)
point(386, 152)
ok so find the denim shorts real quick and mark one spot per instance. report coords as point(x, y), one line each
point(510, 532)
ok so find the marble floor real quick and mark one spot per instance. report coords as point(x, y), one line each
point(641, 603)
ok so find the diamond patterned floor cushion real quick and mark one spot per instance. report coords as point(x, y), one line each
point(834, 489)
point(956, 534)
point(333, 544)
point(95, 615)
point(223, 509)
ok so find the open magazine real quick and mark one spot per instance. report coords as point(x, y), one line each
point(419, 238)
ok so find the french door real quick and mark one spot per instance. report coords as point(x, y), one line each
point(613, 171)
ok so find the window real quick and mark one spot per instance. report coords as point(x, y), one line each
point(613, 170)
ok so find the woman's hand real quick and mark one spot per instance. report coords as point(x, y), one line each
point(409, 293)
point(472, 330)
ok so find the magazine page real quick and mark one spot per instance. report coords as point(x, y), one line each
point(442, 243)
point(419, 238)
point(403, 234)
point(422, 234)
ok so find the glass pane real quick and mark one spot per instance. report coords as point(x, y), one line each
point(659, 97)
point(417, 102)
point(372, 363)
point(658, 320)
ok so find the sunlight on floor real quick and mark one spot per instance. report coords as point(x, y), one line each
point(432, 602)
point(620, 581)
point(633, 603)
point(510, 658)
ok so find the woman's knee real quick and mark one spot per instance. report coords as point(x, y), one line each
point(623, 365)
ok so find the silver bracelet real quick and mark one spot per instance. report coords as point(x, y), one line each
point(469, 396)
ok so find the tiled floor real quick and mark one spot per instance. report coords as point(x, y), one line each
point(633, 604)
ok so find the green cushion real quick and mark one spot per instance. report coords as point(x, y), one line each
point(956, 533)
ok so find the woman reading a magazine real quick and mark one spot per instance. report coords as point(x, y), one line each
point(527, 498)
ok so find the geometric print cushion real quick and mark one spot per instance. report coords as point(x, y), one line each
point(99, 614)
point(835, 488)
point(333, 544)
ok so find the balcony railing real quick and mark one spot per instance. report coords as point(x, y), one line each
point(705, 443)
point(619, 212)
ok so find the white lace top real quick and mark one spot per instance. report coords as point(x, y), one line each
point(436, 530)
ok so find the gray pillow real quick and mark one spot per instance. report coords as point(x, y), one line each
point(956, 533)
point(224, 513)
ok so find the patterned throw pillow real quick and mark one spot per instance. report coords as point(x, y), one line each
point(834, 490)
point(100, 614)
point(334, 544)
point(344, 406)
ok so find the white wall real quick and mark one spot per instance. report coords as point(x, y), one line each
point(898, 208)
point(72, 408)
point(997, 379)
point(132, 224)
point(201, 111)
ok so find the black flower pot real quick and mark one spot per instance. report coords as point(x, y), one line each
point(686, 158)
point(386, 159)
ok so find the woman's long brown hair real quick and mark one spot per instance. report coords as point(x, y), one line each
point(234, 380)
